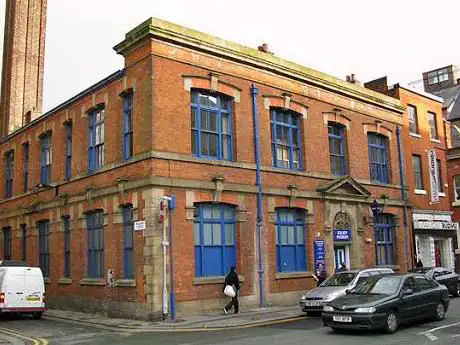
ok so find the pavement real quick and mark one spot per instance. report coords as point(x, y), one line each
point(197, 322)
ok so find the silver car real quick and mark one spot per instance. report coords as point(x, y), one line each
point(334, 286)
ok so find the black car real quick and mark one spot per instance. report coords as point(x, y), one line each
point(386, 301)
point(443, 276)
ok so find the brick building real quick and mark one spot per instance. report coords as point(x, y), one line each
point(205, 120)
point(424, 147)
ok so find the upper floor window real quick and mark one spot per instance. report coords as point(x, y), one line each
point(67, 245)
point(23, 235)
point(417, 171)
point(337, 149)
point(95, 140)
point(378, 157)
point(9, 173)
point(285, 133)
point(45, 158)
point(95, 225)
point(43, 247)
point(214, 239)
point(68, 150)
point(413, 121)
point(128, 242)
point(438, 76)
point(127, 126)
point(384, 249)
point(457, 187)
point(211, 125)
point(25, 157)
point(290, 240)
point(7, 243)
point(433, 125)
point(438, 161)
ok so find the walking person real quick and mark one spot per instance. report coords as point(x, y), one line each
point(232, 280)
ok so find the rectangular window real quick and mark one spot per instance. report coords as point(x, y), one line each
point(417, 171)
point(384, 240)
point(433, 125)
point(9, 173)
point(67, 245)
point(95, 225)
point(439, 175)
point(378, 158)
point(25, 151)
point(214, 239)
point(457, 187)
point(413, 121)
point(45, 158)
point(211, 126)
point(127, 126)
point(438, 76)
point(43, 247)
point(285, 133)
point(7, 243)
point(290, 240)
point(337, 149)
point(68, 150)
point(128, 243)
point(24, 242)
point(95, 140)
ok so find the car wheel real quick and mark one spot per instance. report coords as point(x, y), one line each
point(391, 322)
point(457, 290)
point(440, 311)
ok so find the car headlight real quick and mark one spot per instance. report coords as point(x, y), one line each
point(328, 308)
point(303, 297)
point(365, 310)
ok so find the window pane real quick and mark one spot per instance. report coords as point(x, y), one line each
point(225, 124)
point(300, 235)
point(213, 122)
point(216, 234)
point(194, 142)
point(229, 235)
point(291, 235)
point(213, 139)
point(204, 119)
point(216, 210)
point(207, 234)
point(228, 212)
point(207, 212)
point(196, 234)
point(283, 235)
point(290, 216)
point(225, 147)
point(204, 143)
point(193, 118)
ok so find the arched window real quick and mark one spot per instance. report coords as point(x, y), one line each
point(384, 249)
point(290, 240)
point(214, 239)
point(378, 157)
point(336, 134)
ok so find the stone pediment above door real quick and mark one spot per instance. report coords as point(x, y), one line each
point(344, 186)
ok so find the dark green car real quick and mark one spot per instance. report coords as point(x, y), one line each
point(384, 302)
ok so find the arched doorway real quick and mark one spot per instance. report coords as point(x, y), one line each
point(342, 240)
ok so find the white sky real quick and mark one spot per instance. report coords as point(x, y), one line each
point(398, 38)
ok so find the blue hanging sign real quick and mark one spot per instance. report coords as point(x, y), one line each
point(318, 252)
point(342, 235)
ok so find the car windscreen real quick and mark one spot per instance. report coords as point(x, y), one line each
point(339, 279)
point(383, 285)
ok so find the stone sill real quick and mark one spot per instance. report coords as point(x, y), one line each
point(46, 280)
point(213, 280)
point(64, 281)
point(125, 283)
point(437, 141)
point(443, 195)
point(92, 281)
point(293, 275)
point(415, 135)
point(456, 203)
point(420, 191)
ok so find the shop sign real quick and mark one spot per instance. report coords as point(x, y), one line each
point(434, 178)
point(436, 225)
point(318, 252)
point(342, 235)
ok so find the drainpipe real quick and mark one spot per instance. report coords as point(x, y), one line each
point(403, 194)
point(172, 297)
point(254, 92)
point(163, 213)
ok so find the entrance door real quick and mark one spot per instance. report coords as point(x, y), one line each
point(340, 256)
point(437, 253)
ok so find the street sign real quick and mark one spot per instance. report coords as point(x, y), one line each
point(318, 252)
point(139, 225)
point(342, 235)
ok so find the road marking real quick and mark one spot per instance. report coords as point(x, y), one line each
point(431, 336)
point(36, 341)
point(440, 327)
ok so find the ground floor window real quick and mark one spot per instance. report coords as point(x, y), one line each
point(384, 250)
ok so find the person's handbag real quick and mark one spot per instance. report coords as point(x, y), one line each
point(230, 291)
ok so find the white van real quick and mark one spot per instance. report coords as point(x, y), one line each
point(22, 290)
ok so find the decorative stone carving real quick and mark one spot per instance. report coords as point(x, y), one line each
point(294, 190)
point(219, 181)
point(121, 185)
point(342, 221)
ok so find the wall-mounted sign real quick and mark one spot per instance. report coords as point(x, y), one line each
point(318, 252)
point(342, 235)
point(434, 178)
point(436, 225)
point(139, 225)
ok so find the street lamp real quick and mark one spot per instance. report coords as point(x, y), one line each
point(376, 209)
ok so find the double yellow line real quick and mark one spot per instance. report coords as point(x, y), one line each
point(13, 333)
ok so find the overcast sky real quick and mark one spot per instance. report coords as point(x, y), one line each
point(398, 38)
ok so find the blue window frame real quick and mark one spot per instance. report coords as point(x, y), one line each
point(45, 158)
point(68, 150)
point(25, 152)
point(95, 225)
point(95, 140)
point(67, 245)
point(384, 251)
point(214, 239)
point(285, 133)
point(7, 243)
point(24, 242)
point(43, 247)
point(378, 158)
point(128, 242)
point(211, 125)
point(127, 126)
point(9, 173)
point(290, 240)
point(337, 149)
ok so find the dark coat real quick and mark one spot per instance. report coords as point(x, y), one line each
point(232, 279)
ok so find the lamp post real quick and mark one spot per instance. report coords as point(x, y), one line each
point(376, 209)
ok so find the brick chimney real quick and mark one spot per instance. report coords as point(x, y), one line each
point(23, 60)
